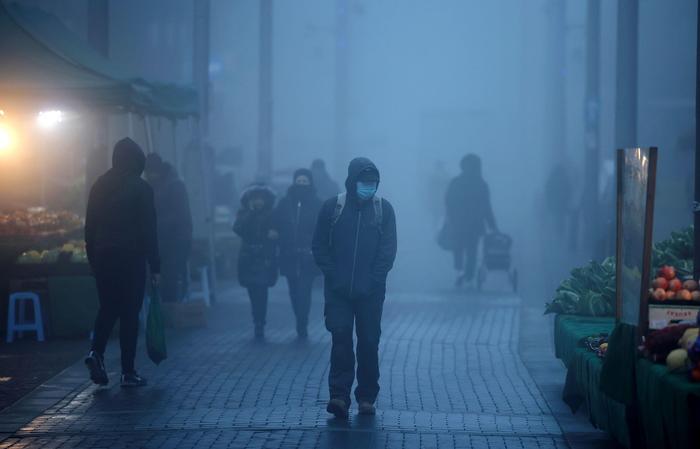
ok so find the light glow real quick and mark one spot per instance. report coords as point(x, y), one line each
point(5, 138)
point(49, 119)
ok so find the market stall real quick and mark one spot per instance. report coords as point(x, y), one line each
point(627, 328)
point(49, 76)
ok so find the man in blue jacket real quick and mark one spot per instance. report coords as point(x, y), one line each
point(354, 245)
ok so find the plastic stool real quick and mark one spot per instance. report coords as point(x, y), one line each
point(204, 292)
point(17, 301)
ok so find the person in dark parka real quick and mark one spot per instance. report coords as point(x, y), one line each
point(469, 211)
point(257, 260)
point(355, 246)
point(121, 238)
point(295, 220)
point(174, 226)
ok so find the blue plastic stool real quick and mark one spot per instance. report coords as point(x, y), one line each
point(20, 324)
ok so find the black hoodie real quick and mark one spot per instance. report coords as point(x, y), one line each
point(120, 214)
point(358, 254)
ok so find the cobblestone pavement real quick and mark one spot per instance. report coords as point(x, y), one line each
point(451, 378)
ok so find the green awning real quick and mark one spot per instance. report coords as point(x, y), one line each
point(42, 65)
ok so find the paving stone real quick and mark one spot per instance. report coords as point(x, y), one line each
point(451, 378)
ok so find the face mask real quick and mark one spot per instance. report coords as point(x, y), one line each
point(366, 190)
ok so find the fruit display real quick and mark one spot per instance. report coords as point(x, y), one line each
point(679, 347)
point(38, 222)
point(667, 287)
point(72, 251)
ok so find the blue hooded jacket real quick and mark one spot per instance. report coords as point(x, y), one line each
point(356, 253)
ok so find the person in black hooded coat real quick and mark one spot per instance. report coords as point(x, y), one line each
point(295, 220)
point(257, 259)
point(355, 248)
point(469, 212)
point(121, 238)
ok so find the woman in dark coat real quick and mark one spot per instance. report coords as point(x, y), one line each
point(469, 213)
point(295, 220)
point(257, 261)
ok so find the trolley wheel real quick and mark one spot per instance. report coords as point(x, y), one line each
point(481, 277)
point(514, 279)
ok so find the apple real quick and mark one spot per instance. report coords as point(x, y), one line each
point(667, 272)
point(660, 282)
point(691, 285)
point(675, 285)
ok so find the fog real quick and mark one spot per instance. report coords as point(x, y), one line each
point(422, 84)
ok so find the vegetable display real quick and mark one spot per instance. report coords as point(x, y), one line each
point(591, 289)
point(73, 251)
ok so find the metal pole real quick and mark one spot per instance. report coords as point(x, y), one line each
point(696, 208)
point(265, 101)
point(342, 38)
point(557, 84)
point(626, 79)
point(200, 69)
point(592, 127)
point(176, 160)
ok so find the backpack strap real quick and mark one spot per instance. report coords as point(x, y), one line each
point(337, 212)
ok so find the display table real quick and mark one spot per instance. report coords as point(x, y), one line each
point(583, 375)
point(668, 403)
point(669, 407)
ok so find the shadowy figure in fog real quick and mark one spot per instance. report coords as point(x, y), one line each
point(468, 213)
point(174, 227)
point(355, 246)
point(257, 260)
point(121, 237)
point(295, 220)
point(326, 187)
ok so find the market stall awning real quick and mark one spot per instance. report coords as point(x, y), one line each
point(42, 63)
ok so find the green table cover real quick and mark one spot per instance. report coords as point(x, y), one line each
point(669, 407)
point(584, 371)
point(73, 305)
point(618, 377)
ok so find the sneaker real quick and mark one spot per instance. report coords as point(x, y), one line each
point(96, 366)
point(366, 408)
point(338, 407)
point(133, 380)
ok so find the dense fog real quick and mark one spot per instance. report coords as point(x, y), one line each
point(421, 85)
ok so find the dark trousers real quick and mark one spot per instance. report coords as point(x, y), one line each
point(465, 257)
point(300, 295)
point(366, 315)
point(258, 303)
point(121, 281)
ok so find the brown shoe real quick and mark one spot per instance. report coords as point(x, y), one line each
point(366, 408)
point(338, 407)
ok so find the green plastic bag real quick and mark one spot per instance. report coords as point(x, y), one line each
point(155, 331)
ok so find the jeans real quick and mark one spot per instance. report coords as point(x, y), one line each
point(258, 302)
point(121, 282)
point(300, 295)
point(365, 313)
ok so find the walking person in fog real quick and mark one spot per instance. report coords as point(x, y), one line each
point(355, 246)
point(468, 213)
point(295, 220)
point(121, 238)
point(326, 187)
point(257, 260)
point(174, 226)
